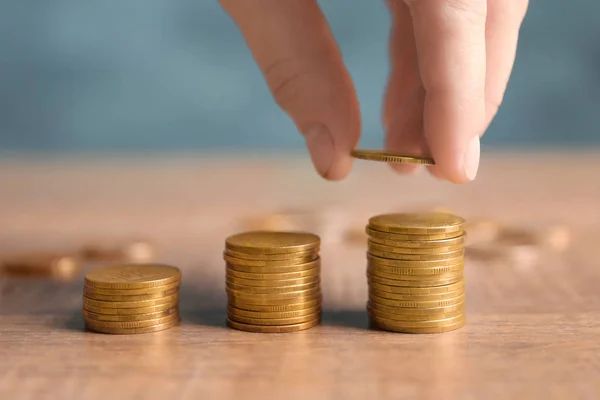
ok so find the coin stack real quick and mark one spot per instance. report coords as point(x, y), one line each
point(129, 299)
point(273, 281)
point(415, 272)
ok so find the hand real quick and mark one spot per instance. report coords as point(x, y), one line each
point(450, 64)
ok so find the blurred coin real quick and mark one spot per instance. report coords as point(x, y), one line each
point(273, 329)
point(129, 331)
point(391, 157)
point(264, 242)
point(307, 303)
point(417, 257)
point(379, 248)
point(130, 304)
point(132, 276)
point(275, 269)
point(131, 311)
point(307, 273)
point(422, 281)
point(271, 290)
point(273, 315)
point(127, 250)
point(418, 324)
point(459, 260)
point(129, 298)
point(44, 264)
point(95, 324)
point(392, 285)
point(417, 311)
point(274, 321)
point(306, 255)
point(398, 237)
point(425, 223)
point(419, 244)
point(268, 263)
point(272, 283)
point(125, 318)
point(131, 292)
point(384, 298)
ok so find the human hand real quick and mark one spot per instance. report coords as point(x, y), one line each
point(450, 64)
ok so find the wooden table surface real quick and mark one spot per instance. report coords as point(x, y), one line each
point(533, 330)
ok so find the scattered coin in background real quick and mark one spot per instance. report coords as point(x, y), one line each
point(131, 251)
point(42, 264)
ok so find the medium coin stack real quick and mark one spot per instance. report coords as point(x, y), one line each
point(129, 299)
point(415, 272)
point(273, 281)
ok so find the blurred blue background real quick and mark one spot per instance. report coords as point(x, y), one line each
point(175, 75)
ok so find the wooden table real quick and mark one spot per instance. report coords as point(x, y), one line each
point(533, 331)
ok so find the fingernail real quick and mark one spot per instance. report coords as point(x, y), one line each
point(320, 146)
point(471, 163)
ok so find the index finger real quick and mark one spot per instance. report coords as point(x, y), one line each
point(450, 38)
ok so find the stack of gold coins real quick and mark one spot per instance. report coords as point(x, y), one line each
point(273, 281)
point(129, 299)
point(415, 272)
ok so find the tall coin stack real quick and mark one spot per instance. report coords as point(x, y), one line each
point(129, 299)
point(415, 272)
point(273, 281)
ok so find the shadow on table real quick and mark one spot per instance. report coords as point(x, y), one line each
point(346, 318)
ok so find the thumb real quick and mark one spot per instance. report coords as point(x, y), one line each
point(297, 54)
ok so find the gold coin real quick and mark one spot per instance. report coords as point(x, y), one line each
point(449, 262)
point(391, 157)
point(268, 301)
point(417, 312)
point(273, 315)
point(132, 292)
point(273, 329)
point(265, 242)
point(420, 244)
point(376, 247)
point(132, 331)
point(132, 276)
point(417, 257)
point(397, 237)
point(135, 297)
point(315, 301)
point(274, 321)
point(419, 324)
point(447, 271)
point(399, 316)
point(310, 254)
point(419, 282)
point(267, 263)
point(251, 290)
point(384, 298)
point(272, 283)
point(415, 297)
point(131, 311)
point(274, 296)
point(127, 318)
point(424, 223)
point(275, 270)
point(130, 250)
point(394, 328)
point(61, 266)
point(313, 272)
point(374, 288)
point(130, 304)
point(131, 324)
point(391, 285)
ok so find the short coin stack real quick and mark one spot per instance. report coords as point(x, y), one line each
point(129, 299)
point(415, 272)
point(273, 281)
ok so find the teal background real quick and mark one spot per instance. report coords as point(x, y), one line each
point(163, 75)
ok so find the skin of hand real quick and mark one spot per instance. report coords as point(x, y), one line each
point(450, 64)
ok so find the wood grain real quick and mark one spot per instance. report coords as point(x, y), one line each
point(533, 330)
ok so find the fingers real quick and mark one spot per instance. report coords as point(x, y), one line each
point(450, 38)
point(403, 107)
point(296, 52)
point(504, 19)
